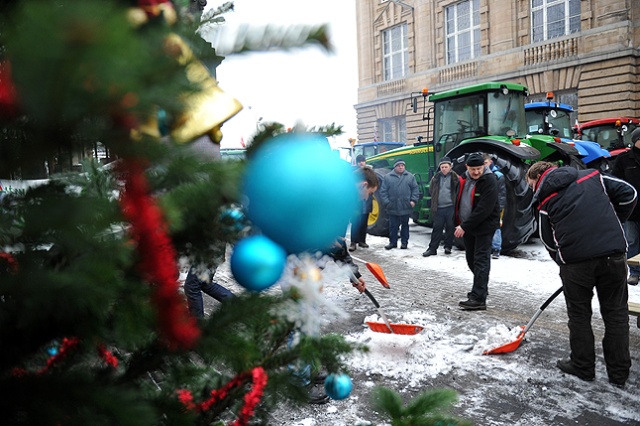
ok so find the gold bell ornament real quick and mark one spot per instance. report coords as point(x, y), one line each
point(205, 110)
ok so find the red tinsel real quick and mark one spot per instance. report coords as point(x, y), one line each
point(8, 92)
point(107, 356)
point(157, 259)
point(251, 399)
point(68, 343)
point(12, 265)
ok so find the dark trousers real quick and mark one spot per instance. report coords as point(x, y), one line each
point(442, 221)
point(396, 222)
point(477, 249)
point(608, 274)
point(359, 228)
point(193, 289)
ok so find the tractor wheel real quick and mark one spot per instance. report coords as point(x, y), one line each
point(518, 221)
point(378, 223)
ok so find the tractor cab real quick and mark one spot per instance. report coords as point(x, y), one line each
point(554, 119)
point(613, 134)
point(488, 109)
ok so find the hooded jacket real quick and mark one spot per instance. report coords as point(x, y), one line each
point(627, 167)
point(580, 213)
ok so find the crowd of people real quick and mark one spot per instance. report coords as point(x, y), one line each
point(470, 207)
point(567, 202)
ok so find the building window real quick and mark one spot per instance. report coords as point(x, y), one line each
point(554, 18)
point(393, 129)
point(463, 31)
point(395, 52)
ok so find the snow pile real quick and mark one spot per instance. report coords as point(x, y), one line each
point(410, 358)
point(497, 336)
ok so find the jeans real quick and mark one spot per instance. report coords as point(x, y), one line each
point(496, 241)
point(193, 289)
point(608, 274)
point(396, 222)
point(477, 249)
point(442, 221)
point(632, 233)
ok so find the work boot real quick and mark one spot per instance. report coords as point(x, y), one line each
point(447, 250)
point(317, 395)
point(363, 245)
point(403, 246)
point(429, 253)
point(619, 385)
point(473, 305)
point(353, 247)
point(390, 246)
point(320, 378)
point(633, 280)
point(567, 366)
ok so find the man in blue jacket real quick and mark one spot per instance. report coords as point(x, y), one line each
point(399, 193)
point(580, 222)
point(478, 216)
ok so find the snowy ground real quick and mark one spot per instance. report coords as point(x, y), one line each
point(520, 388)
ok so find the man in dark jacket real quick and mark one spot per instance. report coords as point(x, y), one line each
point(399, 194)
point(478, 215)
point(444, 189)
point(627, 167)
point(571, 203)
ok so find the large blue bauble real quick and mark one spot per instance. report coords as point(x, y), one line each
point(257, 262)
point(299, 192)
point(337, 386)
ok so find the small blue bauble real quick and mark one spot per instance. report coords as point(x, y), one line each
point(52, 350)
point(338, 386)
point(299, 192)
point(234, 219)
point(257, 262)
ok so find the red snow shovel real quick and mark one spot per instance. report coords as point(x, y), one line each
point(512, 346)
point(376, 270)
point(386, 326)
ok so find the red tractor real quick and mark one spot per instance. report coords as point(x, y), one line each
point(613, 134)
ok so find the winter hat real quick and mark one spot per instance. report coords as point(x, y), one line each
point(445, 160)
point(398, 162)
point(635, 135)
point(475, 160)
point(360, 158)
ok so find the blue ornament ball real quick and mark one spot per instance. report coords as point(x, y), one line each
point(234, 219)
point(338, 386)
point(52, 350)
point(299, 192)
point(257, 262)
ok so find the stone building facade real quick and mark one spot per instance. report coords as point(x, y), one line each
point(586, 51)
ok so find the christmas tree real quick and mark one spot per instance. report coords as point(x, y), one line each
point(102, 100)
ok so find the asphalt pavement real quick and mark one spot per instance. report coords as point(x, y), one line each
point(538, 398)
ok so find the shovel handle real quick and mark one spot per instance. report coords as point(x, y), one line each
point(373, 299)
point(550, 299)
point(541, 308)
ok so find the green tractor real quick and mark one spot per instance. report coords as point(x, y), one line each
point(487, 118)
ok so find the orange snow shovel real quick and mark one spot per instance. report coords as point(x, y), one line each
point(512, 346)
point(386, 326)
point(376, 270)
